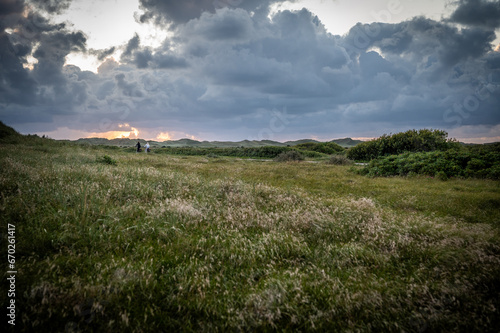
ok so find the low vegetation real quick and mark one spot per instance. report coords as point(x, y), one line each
point(106, 159)
point(462, 162)
point(328, 148)
point(428, 153)
point(266, 152)
point(290, 156)
point(340, 160)
point(189, 243)
point(423, 140)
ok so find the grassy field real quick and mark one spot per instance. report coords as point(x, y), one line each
point(108, 240)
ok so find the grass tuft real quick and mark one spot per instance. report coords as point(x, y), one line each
point(106, 159)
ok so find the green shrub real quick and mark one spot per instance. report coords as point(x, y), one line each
point(423, 140)
point(339, 160)
point(442, 164)
point(321, 147)
point(289, 156)
point(311, 154)
point(106, 159)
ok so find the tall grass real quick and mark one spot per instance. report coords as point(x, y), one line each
point(168, 243)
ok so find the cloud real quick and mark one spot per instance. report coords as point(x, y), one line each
point(146, 57)
point(32, 71)
point(103, 54)
point(51, 6)
point(16, 84)
point(174, 13)
point(480, 13)
point(421, 37)
point(132, 45)
point(127, 89)
point(9, 7)
point(170, 61)
point(226, 24)
point(228, 72)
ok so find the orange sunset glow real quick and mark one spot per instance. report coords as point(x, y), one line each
point(129, 132)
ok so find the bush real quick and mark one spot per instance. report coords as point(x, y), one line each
point(321, 147)
point(340, 160)
point(423, 140)
point(106, 160)
point(289, 156)
point(441, 164)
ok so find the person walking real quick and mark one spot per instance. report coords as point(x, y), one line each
point(138, 145)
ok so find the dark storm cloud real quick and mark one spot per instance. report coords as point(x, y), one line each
point(16, 85)
point(493, 60)
point(179, 12)
point(142, 58)
point(146, 57)
point(169, 61)
point(270, 58)
point(438, 66)
point(8, 7)
point(132, 45)
point(174, 11)
point(52, 6)
point(128, 89)
point(51, 56)
point(482, 13)
point(225, 25)
point(421, 37)
point(43, 84)
point(102, 54)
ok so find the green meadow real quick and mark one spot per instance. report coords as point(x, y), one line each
point(109, 240)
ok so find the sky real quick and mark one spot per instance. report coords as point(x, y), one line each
point(231, 70)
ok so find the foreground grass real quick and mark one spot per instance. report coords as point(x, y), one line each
point(161, 243)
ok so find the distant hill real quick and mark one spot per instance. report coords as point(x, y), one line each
point(125, 142)
point(347, 142)
point(9, 134)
